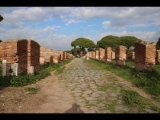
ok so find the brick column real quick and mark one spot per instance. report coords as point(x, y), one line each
point(120, 54)
point(108, 54)
point(158, 56)
point(97, 54)
point(145, 54)
point(101, 54)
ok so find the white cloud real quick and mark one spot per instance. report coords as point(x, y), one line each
point(113, 18)
point(50, 28)
point(106, 24)
point(119, 16)
point(70, 21)
point(44, 36)
point(31, 14)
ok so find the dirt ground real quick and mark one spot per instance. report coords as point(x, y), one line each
point(51, 97)
point(48, 99)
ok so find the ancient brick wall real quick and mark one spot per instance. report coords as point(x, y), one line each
point(46, 55)
point(34, 55)
point(113, 55)
point(1, 50)
point(94, 54)
point(158, 56)
point(97, 54)
point(87, 55)
point(60, 53)
point(101, 54)
point(42, 60)
point(24, 52)
point(65, 55)
point(71, 56)
point(145, 54)
point(91, 54)
point(108, 54)
point(9, 48)
point(56, 57)
point(120, 54)
point(62, 57)
point(48, 59)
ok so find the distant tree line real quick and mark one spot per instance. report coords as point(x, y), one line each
point(84, 44)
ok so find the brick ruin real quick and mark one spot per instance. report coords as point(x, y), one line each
point(145, 54)
point(108, 54)
point(56, 57)
point(70, 56)
point(101, 54)
point(19, 56)
point(45, 55)
point(97, 54)
point(113, 55)
point(131, 56)
point(61, 54)
point(158, 56)
point(120, 54)
point(91, 54)
point(65, 55)
point(88, 55)
point(50, 56)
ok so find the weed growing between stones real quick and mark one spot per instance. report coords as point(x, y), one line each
point(131, 97)
point(60, 70)
point(148, 81)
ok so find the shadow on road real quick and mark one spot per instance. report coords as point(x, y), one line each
point(74, 109)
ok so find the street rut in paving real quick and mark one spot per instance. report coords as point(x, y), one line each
point(92, 89)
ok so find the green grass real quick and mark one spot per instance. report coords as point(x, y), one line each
point(26, 79)
point(148, 81)
point(60, 70)
point(32, 90)
point(131, 97)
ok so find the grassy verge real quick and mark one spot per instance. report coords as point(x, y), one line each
point(26, 79)
point(148, 81)
point(32, 90)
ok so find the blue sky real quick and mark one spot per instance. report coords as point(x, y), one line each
point(56, 27)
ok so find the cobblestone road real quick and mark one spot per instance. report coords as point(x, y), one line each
point(92, 89)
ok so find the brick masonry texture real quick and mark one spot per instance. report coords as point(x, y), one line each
point(101, 54)
point(120, 54)
point(145, 54)
point(28, 52)
point(108, 54)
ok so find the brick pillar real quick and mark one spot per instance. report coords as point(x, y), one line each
point(120, 54)
point(101, 54)
point(113, 55)
point(97, 54)
point(29, 53)
point(4, 67)
point(88, 54)
point(158, 56)
point(145, 54)
point(92, 54)
point(108, 54)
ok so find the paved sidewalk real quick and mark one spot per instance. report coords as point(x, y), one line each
point(92, 89)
